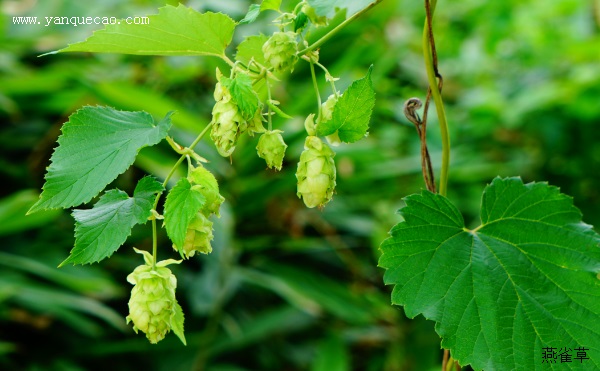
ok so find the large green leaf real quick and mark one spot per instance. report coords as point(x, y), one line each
point(100, 231)
point(97, 144)
point(524, 280)
point(352, 112)
point(173, 31)
point(251, 49)
point(181, 206)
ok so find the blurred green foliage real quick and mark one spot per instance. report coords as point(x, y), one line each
point(286, 287)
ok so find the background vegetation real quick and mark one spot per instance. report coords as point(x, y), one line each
point(286, 288)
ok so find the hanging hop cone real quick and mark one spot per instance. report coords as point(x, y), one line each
point(204, 182)
point(280, 50)
point(153, 307)
point(198, 236)
point(326, 115)
point(255, 124)
point(228, 122)
point(316, 173)
point(271, 148)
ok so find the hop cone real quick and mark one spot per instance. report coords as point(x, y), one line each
point(271, 147)
point(153, 308)
point(316, 173)
point(228, 122)
point(204, 182)
point(280, 50)
point(198, 236)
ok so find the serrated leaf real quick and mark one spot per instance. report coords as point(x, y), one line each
point(173, 31)
point(181, 206)
point(100, 231)
point(352, 112)
point(253, 12)
point(97, 144)
point(270, 4)
point(326, 7)
point(523, 280)
point(242, 94)
point(177, 323)
point(251, 48)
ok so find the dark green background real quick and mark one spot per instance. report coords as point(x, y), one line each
point(286, 288)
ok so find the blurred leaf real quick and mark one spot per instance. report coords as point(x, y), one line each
point(253, 12)
point(332, 355)
point(270, 4)
point(174, 31)
point(88, 282)
point(13, 209)
point(98, 144)
point(251, 48)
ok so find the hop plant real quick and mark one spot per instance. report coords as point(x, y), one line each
point(316, 173)
point(271, 148)
point(280, 50)
point(227, 120)
point(153, 308)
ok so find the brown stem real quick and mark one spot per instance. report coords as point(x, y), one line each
point(445, 359)
point(410, 107)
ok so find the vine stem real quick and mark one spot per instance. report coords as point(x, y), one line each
point(316, 86)
point(335, 30)
point(437, 98)
point(164, 184)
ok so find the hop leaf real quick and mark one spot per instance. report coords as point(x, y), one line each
point(153, 308)
point(280, 50)
point(271, 148)
point(316, 173)
point(313, 16)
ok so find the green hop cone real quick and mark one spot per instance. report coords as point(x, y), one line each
point(198, 236)
point(204, 182)
point(271, 148)
point(153, 308)
point(255, 124)
point(227, 120)
point(316, 173)
point(327, 115)
point(280, 50)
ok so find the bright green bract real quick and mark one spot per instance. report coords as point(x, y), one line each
point(523, 280)
point(181, 205)
point(242, 94)
point(352, 112)
point(100, 231)
point(97, 144)
point(173, 31)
